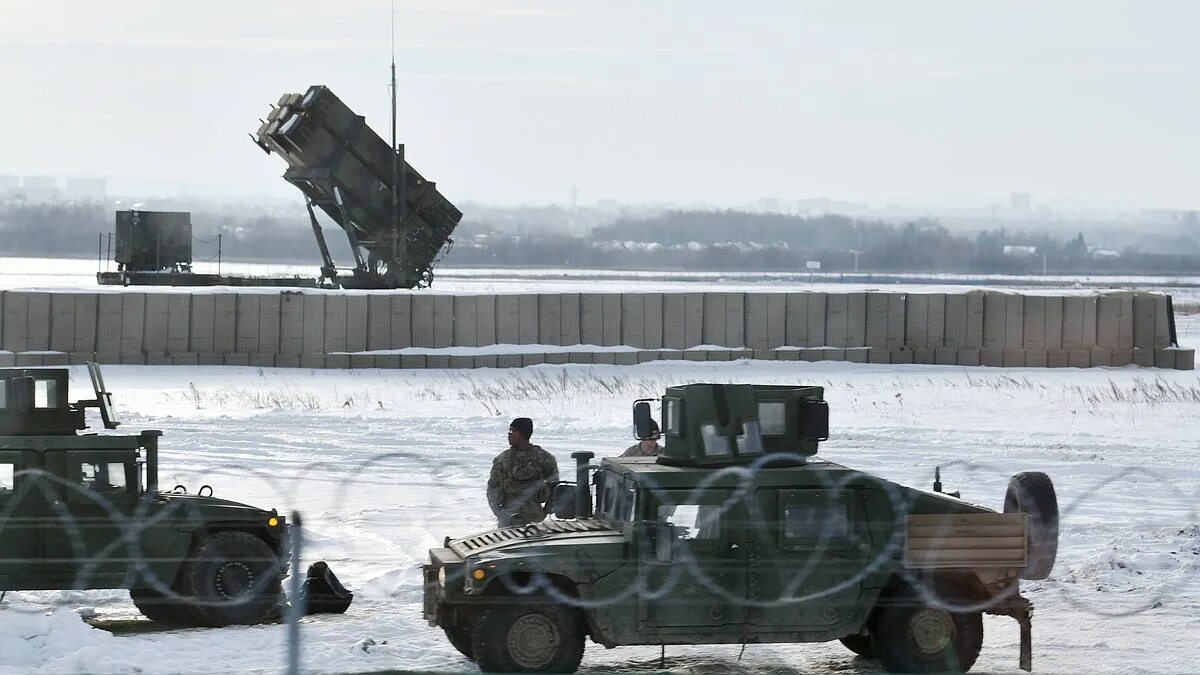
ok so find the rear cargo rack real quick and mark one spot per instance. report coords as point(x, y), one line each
point(973, 540)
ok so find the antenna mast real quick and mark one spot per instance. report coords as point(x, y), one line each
point(393, 87)
point(397, 158)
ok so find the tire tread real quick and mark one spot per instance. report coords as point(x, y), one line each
point(1032, 492)
point(215, 615)
point(890, 638)
point(489, 643)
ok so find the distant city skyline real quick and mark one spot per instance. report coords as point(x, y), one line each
point(1020, 205)
point(63, 186)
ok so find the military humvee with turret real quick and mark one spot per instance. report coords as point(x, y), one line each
point(738, 534)
point(84, 511)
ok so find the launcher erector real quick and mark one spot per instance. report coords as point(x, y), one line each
point(395, 220)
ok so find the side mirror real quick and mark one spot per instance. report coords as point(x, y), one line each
point(664, 542)
point(564, 501)
point(641, 420)
point(814, 420)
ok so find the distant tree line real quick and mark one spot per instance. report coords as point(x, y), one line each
point(71, 229)
point(734, 240)
point(66, 229)
point(702, 240)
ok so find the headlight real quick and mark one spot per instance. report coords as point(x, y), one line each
point(442, 577)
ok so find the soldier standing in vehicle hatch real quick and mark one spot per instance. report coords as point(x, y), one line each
point(648, 447)
point(522, 480)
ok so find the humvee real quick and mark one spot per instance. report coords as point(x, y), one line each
point(737, 533)
point(84, 511)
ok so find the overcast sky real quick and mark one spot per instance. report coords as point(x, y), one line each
point(507, 101)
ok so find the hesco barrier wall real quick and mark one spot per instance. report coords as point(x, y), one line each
point(318, 329)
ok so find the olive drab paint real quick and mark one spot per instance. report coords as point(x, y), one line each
point(736, 533)
point(84, 510)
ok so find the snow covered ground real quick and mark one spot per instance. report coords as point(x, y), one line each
point(384, 464)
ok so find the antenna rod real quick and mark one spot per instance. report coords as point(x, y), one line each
point(395, 151)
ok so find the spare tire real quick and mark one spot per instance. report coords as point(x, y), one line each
point(1032, 493)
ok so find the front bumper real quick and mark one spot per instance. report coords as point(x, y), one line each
point(283, 545)
point(433, 597)
point(436, 597)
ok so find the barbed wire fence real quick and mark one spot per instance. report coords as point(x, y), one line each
point(107, 541)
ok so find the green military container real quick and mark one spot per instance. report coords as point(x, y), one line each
point(82, 511)
point(737, 533)
point(153, 241)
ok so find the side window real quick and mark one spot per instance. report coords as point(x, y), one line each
point(628, 501)
point(8, 472)
point(45, 394)
point(716, 444)
point(610, 498)
point(617, 501)
point(674, 416)
point(104, 476)
point(598, 481)
point(773, 417)
point(693, 521)
point(749, 442)
point(815, 520)
point(620, 499)
point(703, 515)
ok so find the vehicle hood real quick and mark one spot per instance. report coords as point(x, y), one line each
point(545, 533)
point(211, 505)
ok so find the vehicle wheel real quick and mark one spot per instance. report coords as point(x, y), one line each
point(528, 639)
point(231, 578)
point(1031, 492)
point(860, 644)
point(161, 608)
point(914, 637)
point(461, 639)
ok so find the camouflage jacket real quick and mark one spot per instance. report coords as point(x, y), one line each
point(522, 481)
point(635, 450)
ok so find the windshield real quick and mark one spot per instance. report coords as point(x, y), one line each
point(617, 497)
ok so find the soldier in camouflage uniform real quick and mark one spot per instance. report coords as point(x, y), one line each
point(522, 480)
point(648, 447)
